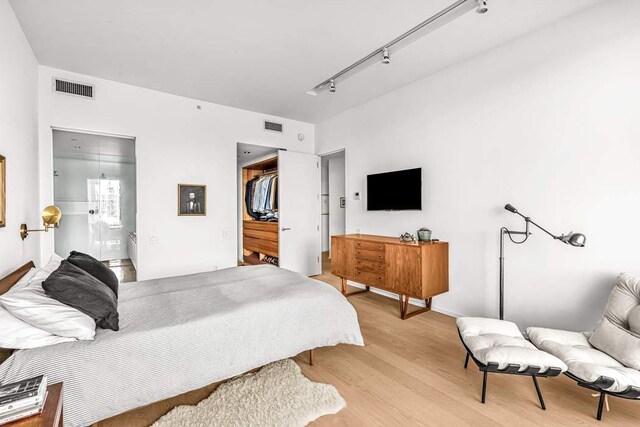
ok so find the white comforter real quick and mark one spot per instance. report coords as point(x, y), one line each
point(182, 333)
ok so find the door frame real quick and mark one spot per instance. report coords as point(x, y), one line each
point(92, 132)
point(346, 187)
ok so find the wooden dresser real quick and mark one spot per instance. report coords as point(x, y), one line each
point(419, 269)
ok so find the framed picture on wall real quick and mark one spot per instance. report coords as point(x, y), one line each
point(3, 191)
point(192, 200)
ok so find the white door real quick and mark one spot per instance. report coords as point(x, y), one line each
point(299, 212)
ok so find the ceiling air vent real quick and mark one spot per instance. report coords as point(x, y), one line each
point(273, 127)
point(73, 88)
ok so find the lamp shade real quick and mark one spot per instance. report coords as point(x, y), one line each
point(51, 215)
point(510, 208)
point(574, 239)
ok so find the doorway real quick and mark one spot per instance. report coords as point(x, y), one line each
point(95, 186)
point(333, 205)
point(279, 208)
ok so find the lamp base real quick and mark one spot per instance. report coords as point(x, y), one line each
point(23, 231)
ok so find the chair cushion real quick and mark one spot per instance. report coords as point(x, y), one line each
point(582, 360)
point(634, 320)
point(499, 341)
point(614, 334)
point(617, 342)
point(624, 297)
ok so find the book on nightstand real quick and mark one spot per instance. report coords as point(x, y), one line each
point(22, 399)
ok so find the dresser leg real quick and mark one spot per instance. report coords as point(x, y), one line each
point(348, 294)
point(404, 307)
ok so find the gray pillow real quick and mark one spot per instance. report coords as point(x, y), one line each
point(75, 287)
point(95, 268)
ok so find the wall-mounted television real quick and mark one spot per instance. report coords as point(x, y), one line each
point(395, 191)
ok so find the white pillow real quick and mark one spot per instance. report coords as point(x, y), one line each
point(46, 270)
point(32, 305)
point(16, 334)
point(24, 280)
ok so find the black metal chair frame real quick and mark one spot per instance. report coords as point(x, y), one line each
point(512, 369)
point(600, 385)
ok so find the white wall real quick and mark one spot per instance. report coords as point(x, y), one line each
point(77, 230)
point(18, 142)
point(175, 143)
point(337, 223)
point(549, 122)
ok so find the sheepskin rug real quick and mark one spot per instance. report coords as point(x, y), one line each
point(277, 395)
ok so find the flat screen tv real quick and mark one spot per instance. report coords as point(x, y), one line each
point(395, 191)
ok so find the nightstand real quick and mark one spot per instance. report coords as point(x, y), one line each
point(51, 415)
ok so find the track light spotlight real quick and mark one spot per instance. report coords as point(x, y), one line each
point(385, 56)
point(483, 7)
point(383, 52)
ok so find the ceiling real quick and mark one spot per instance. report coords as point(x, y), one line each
point(77, 145)
point(263, 55)
point(250, 152)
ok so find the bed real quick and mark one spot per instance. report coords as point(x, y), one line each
point(182, 333)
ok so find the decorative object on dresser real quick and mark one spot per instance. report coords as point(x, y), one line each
point(424, 234)
point(407, 238)
point(192, 200)
point(573, 239)
point(3, 191)
point(415, 269)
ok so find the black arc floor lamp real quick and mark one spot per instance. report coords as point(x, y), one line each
point(574, 239)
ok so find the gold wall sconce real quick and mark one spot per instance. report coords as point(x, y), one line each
point(50, 217)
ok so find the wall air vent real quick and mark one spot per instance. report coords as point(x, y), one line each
point(73, 88)
point(273, 127)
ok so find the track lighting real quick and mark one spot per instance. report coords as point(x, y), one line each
point(483, 7)
point(385, 56)
point(453, 11)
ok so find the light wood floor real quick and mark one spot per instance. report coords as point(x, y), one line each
point(411, 372)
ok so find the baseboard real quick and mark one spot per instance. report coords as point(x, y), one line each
point(412, 301)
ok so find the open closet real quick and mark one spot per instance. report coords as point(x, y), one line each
point(279, 208)
point(260, 214)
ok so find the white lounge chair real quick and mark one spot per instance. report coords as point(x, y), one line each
point(497, 346)
point(606, 360)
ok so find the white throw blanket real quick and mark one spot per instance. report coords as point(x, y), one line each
point(182, 333)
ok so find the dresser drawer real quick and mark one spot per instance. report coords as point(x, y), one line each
point(369, 278)
point(368, 265)
point(370, 246)
point(368, 255)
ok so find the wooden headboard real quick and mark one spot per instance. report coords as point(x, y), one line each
point(7, 282)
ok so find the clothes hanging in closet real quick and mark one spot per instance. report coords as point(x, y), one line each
point(261, 197)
